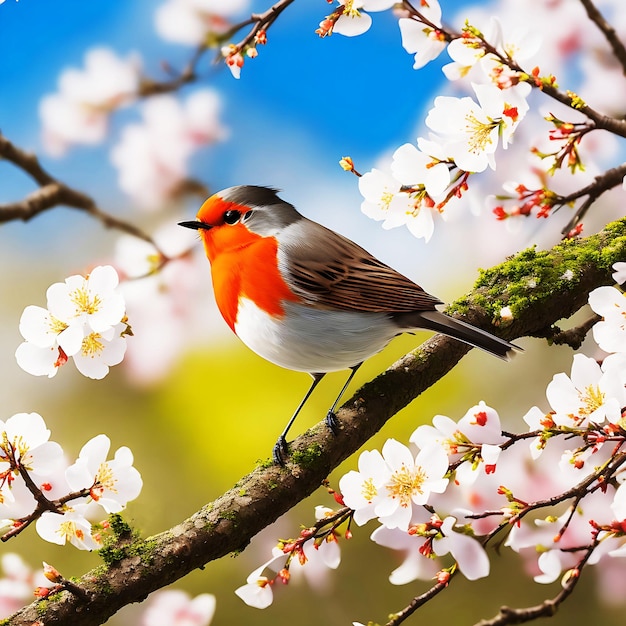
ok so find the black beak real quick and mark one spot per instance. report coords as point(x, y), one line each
point(195, 225)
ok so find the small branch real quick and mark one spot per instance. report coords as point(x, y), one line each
point(601, 121)
point(53, 193)
point(601, 184)
point(447, 33)
point(547, 608)
point(258, 21)
point(419, 601)
point(618, 48)
point(150, 87)
point(573, 337)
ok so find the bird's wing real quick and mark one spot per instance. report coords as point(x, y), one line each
point(329, 271)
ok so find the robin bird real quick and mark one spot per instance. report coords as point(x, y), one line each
point(308, 299)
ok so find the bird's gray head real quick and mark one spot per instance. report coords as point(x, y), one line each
point(259, 208)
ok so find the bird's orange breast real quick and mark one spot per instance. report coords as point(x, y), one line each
point(244, 265)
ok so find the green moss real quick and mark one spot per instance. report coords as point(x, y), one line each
point(42, 607)
point(532, 275)
point(419, 355)
point(98, 571)
point(210, 526)
point(119, 526)
point(112, 554)
point(125, 542)
point(231, 516)
point(143, 549)
point(308, 456)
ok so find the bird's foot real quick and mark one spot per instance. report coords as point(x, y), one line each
point(332, 422)
point(280, 451)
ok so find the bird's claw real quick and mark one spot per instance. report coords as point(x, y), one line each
point(280, 451)
point(332, 422)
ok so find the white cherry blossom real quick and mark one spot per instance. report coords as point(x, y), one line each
point(355, 20)
point(25, 438)
point(92, 301)
point(100, 351)
point(85, 319)
point(78, 113)
point(363, 490)
point(588, 394)
point(415, 565)
point(610, 333)
point(153, 155)
point(425, 42)
point(619, 275)
point(411, 482)
point(470, 58)
point(385, 200)
point(112, 484)
point(467, 551)
point(476, 438)
point(424, 166)
point(68, 527)
point(257, 592)
point(470, 131)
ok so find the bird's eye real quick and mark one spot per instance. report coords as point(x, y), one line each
point(232, 216)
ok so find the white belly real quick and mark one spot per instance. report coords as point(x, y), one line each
point(308, 340)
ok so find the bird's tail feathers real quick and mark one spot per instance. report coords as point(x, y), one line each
point(457, 329)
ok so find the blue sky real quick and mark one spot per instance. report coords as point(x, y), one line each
point(325, 87)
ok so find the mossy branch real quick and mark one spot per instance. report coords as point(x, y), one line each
point(540, 288)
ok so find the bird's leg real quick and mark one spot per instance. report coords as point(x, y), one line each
point(331, 416)
point(280, 449)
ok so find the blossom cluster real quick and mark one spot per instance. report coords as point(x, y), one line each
point(152, 155)
point(37, 484)
point(85, 319)
point(458, 484)
point(317, 548)
point(19, 582)
point(495, 61)
point(465, 131)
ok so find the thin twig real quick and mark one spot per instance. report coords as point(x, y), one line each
point(547, 608)
point(259, 22)
point(150, 87)
point(604, 182)
point(618, 48)
point(54, 193)
point(573, 337)
point(419, 601)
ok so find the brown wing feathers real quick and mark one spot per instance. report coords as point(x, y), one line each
point(330, 271)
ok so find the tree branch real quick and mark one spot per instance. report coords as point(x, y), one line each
point(618, 48)
point(136, 567)
point(601, 184)
point(547, 608)
point(53, 193)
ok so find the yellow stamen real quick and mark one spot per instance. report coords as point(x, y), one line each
point(368, 490)
point(92, 345)
point(405, 483)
